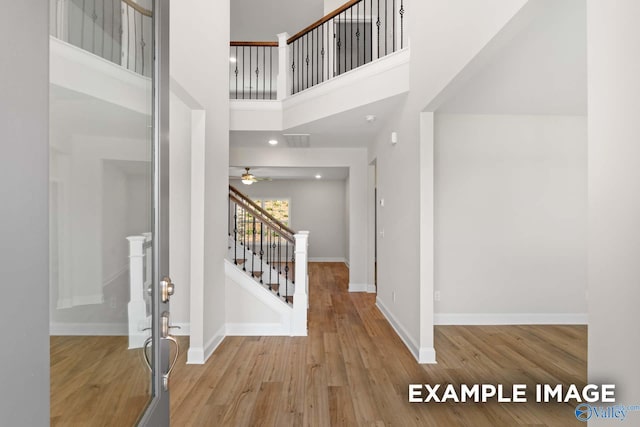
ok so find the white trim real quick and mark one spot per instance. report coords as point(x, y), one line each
point(106, 282)
point(185, 329)
point(214, 342)
point(80, 300)
point(257, 329)
point(89, 329)
point(261, 292)
point(329, 259)
point(400, 330)
point(371, 289)
point(511, 319)
point(255, 105)
point(198, 355)
point(358, 287)
point(427, 355)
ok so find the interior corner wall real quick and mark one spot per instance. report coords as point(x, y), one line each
point(613, 67)
point(468, 27)
point(510, 218)
point(347, 215)
point(205, 24)
point(24, 216)
point(316, 206)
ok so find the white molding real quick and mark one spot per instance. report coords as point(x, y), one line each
point(261, 292)
point(257, 329)
point(371, 289)
point(328, 259)
point(106, 282)
point(427, 355)
point(400, 330)
point(195, 356)
point(185, 329)
point(88, 329)
point(362, 287)
point(373, 68)
point(511, 319)
point(255, 105)
point(80, 300)
point(214, 342)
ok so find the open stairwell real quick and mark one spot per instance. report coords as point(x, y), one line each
point(266, 267)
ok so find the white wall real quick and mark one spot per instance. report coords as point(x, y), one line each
point(315, 206)
point(510, 218)
point(205, 24)
point(260, 20)
point(406, 294)
point(614, 199)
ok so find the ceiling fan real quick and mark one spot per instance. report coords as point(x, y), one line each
point(248, 178)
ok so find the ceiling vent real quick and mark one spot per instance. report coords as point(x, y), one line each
point(298, 140)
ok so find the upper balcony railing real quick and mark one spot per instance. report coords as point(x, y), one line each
point(353, 35)
point(117, 30)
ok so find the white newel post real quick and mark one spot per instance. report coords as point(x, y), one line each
point(137, 308)
point(300, 295)
point(284, 76)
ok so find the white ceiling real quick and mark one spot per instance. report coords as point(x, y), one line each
point(275, 173)
point(541, 69)
point(347, 129)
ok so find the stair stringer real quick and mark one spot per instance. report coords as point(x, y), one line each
point(252, 309)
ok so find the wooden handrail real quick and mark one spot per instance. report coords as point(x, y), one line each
point(268, 44)
point(136, 6)
point(322, 20)
point(250, 205)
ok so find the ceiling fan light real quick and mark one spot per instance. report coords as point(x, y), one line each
point(247, 181)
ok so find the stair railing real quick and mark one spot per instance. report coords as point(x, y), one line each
point(119, 31)
point(264, 247)
point(253, 70)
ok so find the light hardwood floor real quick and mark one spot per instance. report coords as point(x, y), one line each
point(352, 370)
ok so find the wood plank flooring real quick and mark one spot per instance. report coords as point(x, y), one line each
point(353, 370)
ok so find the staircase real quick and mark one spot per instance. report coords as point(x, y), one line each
point(269, 255)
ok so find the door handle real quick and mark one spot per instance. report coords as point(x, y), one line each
point(167, 288)
point(165, 327)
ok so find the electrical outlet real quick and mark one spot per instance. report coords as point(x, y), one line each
point(393, 296)
point(436, 295)
point(382, 234)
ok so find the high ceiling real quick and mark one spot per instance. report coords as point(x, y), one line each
point(306, 174)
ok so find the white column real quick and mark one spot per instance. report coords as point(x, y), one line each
point(137, 309)
point(284, 64)
point(300, 296)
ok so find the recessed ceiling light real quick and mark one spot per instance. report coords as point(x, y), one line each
point(273, 141)
point(233, 59)
point(318, 176)
point(370, 118)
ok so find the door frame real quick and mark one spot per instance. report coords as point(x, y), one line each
point(157, 413)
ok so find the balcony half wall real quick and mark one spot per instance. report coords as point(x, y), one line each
point(375, 81)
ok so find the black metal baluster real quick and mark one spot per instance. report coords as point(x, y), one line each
point(364, 24)
point(286, 272)
point(244, 238)
point(345, 42)
point(264, 72)
point(279, 264)
point(236, 72)
point(293, 69)
point(113, 28)
point(271, 72)
point(293, 264)
point(307, 59)
point(378, 23)
point(351, 39)
point(135, 42)
point(322, 51)
point(386, 27)
point(235, 233)
point(103, 31)
point(250, 78)
point(261, 254)
point(253, 246)
point(243, 71)
point(401, 24)
point(142, 44)
point(358, 35)
point(312, 56)
point(393, 34)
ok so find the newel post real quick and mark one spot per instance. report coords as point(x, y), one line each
point(284, 75)
point(137, 309)
point(300, 295)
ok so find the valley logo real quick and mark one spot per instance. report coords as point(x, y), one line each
point(584, 412)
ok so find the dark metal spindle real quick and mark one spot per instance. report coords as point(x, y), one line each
point(261, 254)
point(351, 38)
point(386, 29)
point(358, 35)
point(271, 73)
point(253, 246)
point(312, 54)
point(264, 72)
point(242, 72)
point(103, 32)
point(393, 34)
point(378, 23)
point(235, 233)
point(236, 72)
point(244, 238)
point(250, 78)
point(279, 264)
point(135, 42)
point(401, 24)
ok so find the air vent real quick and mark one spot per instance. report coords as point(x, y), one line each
point(298, 140)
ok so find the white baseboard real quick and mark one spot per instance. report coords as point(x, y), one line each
point(89, 329)
point(257, 329)
point(214, 342)
point(427, 355)
point(185, 329)
point(362, 287)
point(404, 335)
point(511, 319)
point(79, 300)
point(328, 259)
